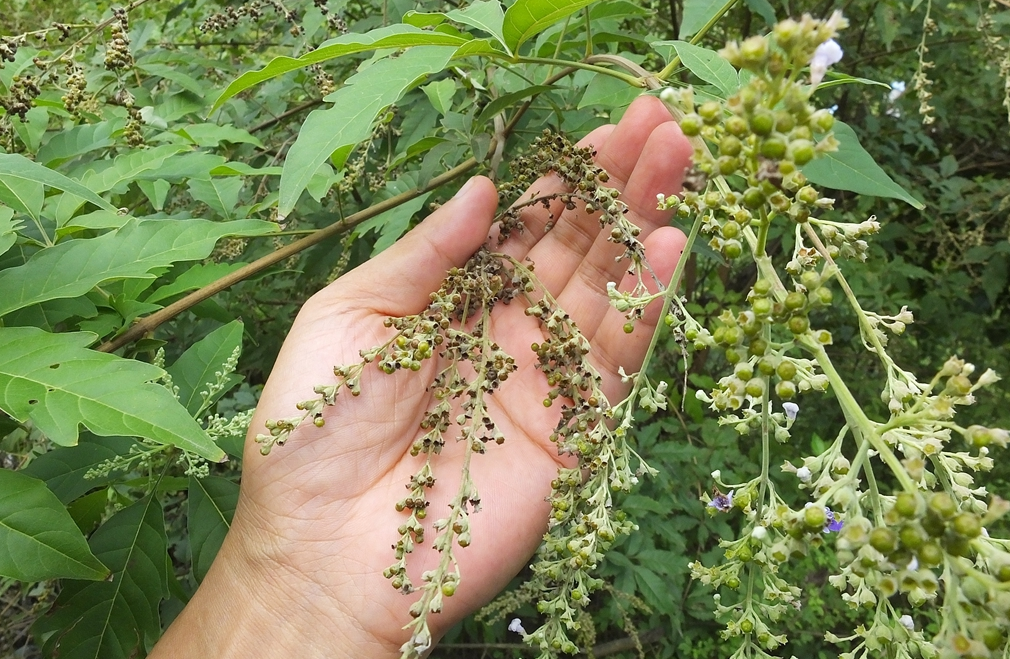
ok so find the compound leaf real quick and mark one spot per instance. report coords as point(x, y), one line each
point(115, 618)
point(74, 267)
point(212, 503)
point(59, 384)
point(38, 538)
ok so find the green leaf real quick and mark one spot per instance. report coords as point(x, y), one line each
point(509, 100)
point(220, 194)
point(78, 141)
point(23, 196)
point(63, 468)
point(440, 94)
point(210, 135)
point(697, 14)
point(212, 503)
point(197, 368)
point(834, 79)
point(74, 267)
point(59, 384)
point(764, 9)
point(350, 119)
point(38, 538)
point(609, 92)
point(18, 168)
point(527, 18)
point(8, 229)
point(394, 36)
point(852, 168)
point(484, 15)
point(706, 64)
point(119, 617)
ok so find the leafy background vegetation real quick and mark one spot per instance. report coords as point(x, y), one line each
point(122, 192)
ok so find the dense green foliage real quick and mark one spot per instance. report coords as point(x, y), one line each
point(175, 180)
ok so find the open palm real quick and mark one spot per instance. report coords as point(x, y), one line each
point(316, 516)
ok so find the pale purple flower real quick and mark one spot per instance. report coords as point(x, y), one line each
point(827, 53)
point(791, 410)
point(833, 525)
point(907, 622)
point(517, 626)
point(803, 473)
point(722, 502)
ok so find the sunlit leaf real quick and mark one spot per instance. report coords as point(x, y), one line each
point(527, 18)
point(196, 369)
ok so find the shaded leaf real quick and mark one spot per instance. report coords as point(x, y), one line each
point(115, 618)
point(706, 64)
point(212, 503)
point(59, 384)
point(350, 119)
point(697, 14)
point(74, 267)
point(196, 369)
point(764, 9)
point(38, 538)
point(394, 36)
point(220, 194)
point(852, 168)
point(63, 468)
point(195, 277)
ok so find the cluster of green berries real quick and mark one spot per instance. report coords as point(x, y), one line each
point(117, 51)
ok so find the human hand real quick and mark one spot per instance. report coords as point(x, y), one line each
point(301, 568)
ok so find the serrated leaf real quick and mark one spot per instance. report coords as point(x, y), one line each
point(706, 64)
point(59, 384)
point(697, 14)
point(852, 168)
point(349, 121)
point(18, 168)
point(63, 468)
point(38, 538)
point(115, 618)
point(212, 503)
point(74, 267)
point(220, 194)
point(393, 36)
point(196, 369)
point(527, 18)
point(484, 15)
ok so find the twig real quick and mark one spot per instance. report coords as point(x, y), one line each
point(284, 115)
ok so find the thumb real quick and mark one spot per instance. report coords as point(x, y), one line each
point(399, 280)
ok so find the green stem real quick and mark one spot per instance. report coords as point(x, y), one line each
point(765, 432)
point(631, 80)
point(675, 62)
point(589, 33)
point(762, 239)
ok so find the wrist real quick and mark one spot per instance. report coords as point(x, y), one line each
point(249, 605)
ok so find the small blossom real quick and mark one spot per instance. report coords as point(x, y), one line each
point(516, 626)
point(827, 53)
point(759, 533)
point(716, 475)
point(803, 474)
point(913, 565)
point(791, 410)
point(833, 525)
point(722, 502)
point(907, 622)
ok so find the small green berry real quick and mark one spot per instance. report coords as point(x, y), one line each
point(710, 112)
point(911, 537)
point(736, 126)
point(774, 148)
point(762, 122)
point(801, 151)
point(786, 370)
point(758, 347)
point(629, 328)
point(691, 124)
point(755, 387)
point(785, 390)
point(967, 525)
point(815, 517)
point(784, 121)
point(906, 504)
point(761, 306)
point(884, 540)
point(732, 249)
point(731, 229)
point(942, 505)
point(762, 287)
point(795, 300)
point(753, 198)
point(798, 324)
point(730, 146)
point(822, 121)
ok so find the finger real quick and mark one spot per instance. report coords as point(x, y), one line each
point(565, 246)
point(399, 280)
point(612, 347)
point(660, 169)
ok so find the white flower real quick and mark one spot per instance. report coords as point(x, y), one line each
point(517, 626)
point(913, 565)
point(803, 474)
point(907, 622)
point(827, 53)
point(791, 410)
point(759, 533)
point(716, 475)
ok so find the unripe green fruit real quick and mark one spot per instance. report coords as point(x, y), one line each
point(911, 537)
point(713, 199)
point(933, 525)
point(967, 525)
point(784, 121)
point(801, 151)
point(732, 249)
point(449, 589)
point(766, 366)
point(749, 97)
point(755, 387)
point(746, 626)
point(691, 124)
point(758, 347)
point(744, 371)
point(822, 121)
point(907, 505)
point(992, 637)
point(822, 296)
point(730, 230)
point(762, 122)
point(942, 505)
point(786, 32)
point(786, 370)
point(815, 518)
point(728, 165)
point(730, 146)
point(754, 51)
point(710, 112)
point(884, 540)
point(785, 390)
point(761, 306)
point(744, 553)
point(736, 126)
point(1003, 572)
point(795, 300)
point(807, 194)
point(798, 324)
point(762, 287)
point(628, 328)
point(774, 148)
point(810, 280)
point(930, 554)
point(753, 198)
point(733, 582)
point(801, 133)
point(957, 545)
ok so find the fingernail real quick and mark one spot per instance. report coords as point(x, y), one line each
point(462, 191)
